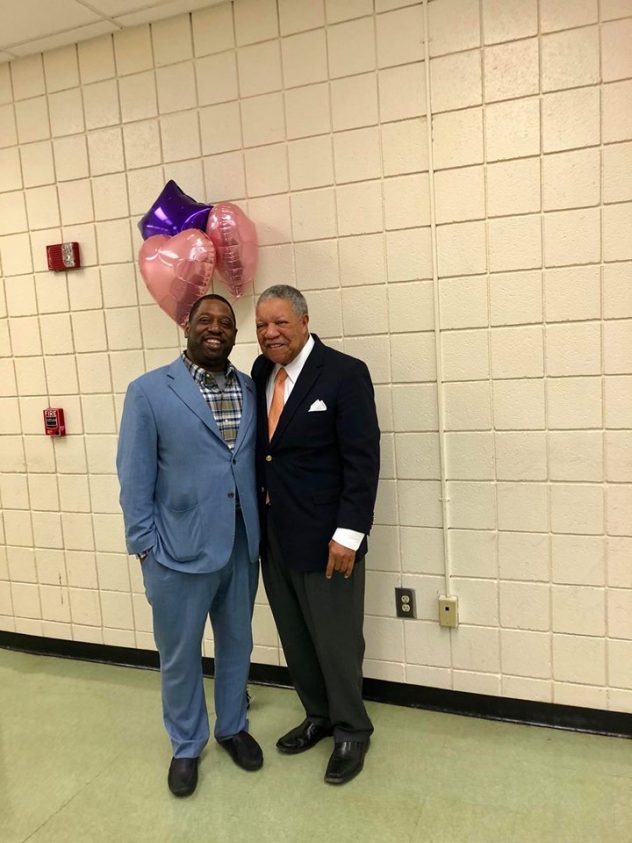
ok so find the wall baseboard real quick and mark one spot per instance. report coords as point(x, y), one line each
point(575, 718)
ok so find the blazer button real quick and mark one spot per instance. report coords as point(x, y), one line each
point(231, 494)
point(268, 458)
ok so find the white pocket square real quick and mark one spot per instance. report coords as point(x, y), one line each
point(317, 407)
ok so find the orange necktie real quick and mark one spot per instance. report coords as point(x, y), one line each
point(278, 401)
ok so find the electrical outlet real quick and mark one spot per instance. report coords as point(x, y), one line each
point(448, 611)
point(405, 603)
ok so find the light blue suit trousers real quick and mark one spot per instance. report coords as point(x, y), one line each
point(180, 603)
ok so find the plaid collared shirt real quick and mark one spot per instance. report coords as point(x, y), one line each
point(225, 404)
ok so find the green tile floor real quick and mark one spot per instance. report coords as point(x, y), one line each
point(83, 757)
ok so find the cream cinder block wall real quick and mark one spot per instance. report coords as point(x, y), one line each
point(512, 226)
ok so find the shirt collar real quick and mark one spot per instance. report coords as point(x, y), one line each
point(199, 374)
point(294, 368)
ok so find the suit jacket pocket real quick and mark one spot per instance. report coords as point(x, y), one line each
point(182, 532)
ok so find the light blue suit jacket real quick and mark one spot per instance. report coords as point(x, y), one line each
point(179, 480)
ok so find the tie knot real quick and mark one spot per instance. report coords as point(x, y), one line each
point(281, 375)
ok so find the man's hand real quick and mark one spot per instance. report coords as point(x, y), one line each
point(341, 559)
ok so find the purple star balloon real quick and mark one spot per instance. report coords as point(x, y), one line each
point(172, 212)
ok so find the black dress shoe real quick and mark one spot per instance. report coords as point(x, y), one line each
point(303, 737)
point(244, 750)
point(346, 761)
point(183, 776)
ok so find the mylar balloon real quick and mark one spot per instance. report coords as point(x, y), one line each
point(235, 239)
point(177, 270)
point(173, 211)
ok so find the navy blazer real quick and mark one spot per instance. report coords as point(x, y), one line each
point(321, 468)
point(179, 479)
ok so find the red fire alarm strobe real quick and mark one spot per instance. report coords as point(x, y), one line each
point(62, 256)
point(54, 424)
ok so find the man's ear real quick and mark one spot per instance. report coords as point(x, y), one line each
point(186, 330)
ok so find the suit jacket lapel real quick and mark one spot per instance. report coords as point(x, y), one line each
point(261, 375)
point(189, 392)
point(310, 373)
point(248, 415)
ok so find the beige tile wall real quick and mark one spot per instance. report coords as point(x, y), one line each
point(315, 117)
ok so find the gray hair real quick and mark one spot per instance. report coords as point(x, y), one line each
point(291, 294)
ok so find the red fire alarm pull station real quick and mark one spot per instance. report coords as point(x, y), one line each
point(54, 424)
point(62, 256)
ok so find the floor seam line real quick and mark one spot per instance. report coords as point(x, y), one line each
point(73, 797)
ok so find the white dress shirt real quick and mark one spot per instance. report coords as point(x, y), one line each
point(348, 538)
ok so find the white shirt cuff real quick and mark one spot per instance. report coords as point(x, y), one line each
point(348, 538)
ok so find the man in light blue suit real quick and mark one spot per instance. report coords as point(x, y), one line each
point(187, 473)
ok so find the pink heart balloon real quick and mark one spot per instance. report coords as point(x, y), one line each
point(177, 270)
point(235, 239)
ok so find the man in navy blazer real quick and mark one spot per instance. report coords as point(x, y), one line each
point(317, 464)
point(186, 465)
